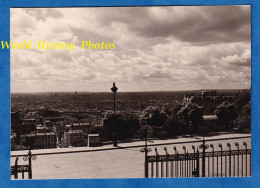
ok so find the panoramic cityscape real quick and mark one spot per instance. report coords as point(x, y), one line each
point(171, 99)
point(86, 120)
point(58, 120)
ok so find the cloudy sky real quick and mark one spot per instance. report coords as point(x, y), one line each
point(157, 49)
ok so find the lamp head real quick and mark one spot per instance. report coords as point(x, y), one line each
point(114, 88)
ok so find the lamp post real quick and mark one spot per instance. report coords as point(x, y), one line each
point(114, 90)
point(146, 150)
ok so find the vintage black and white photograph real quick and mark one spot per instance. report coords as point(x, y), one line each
point(130, 92)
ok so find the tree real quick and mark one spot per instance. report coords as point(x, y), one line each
point(191, 114)
point(244, 118)
point(247, 109)
point(243, 104)
point(227, 112)
point(195, 116)
point(16, 124)
point(154, 116)
point(176, 109)
point(108, 125)
point(126, 125)
point(242, 100)
point(173, 125)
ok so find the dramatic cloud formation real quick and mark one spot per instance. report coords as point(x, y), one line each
point(157, 48)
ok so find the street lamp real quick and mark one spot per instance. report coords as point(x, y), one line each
point(114, 90)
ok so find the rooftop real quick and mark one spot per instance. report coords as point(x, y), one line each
point(210, 117)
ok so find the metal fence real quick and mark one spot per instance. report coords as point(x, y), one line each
point(22, 169)
point(234, 161)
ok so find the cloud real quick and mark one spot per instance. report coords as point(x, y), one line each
point(157, 48)
point(192, 24)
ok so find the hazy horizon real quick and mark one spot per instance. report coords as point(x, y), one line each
point(78, 92)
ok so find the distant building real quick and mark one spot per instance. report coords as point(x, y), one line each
point(59, 129)
point(42, 129)
point(48, 120)
point(28, 125)
point(81, 126)
point(74, 138)
point(209, 100)
point(22, 139)
point(45, 140)
point(209, 93)
point(211, 123)
point(208, 96)
point(39, 140)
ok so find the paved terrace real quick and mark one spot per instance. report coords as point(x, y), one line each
point(125, 161)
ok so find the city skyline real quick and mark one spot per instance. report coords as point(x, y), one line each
point(157, 49)
point(89, 92)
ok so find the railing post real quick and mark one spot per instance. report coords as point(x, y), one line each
point(146, 150)
point(198, 164)
point(203, 157)
point(245, 144)
point(228, 145)
point(165, 149)
point(30, 164)
point(16, 168)
point(157, 158)
point(193, 158)
point(212, 146)
point(29, 157)
point(220, 145)
point(185, 162)
point(237, 144)
point(146, 164)
point(176, 162)
point(23, 174)
point(188, 164)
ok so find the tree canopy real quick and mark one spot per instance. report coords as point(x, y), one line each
point(227, 112)
point(126, 125)
point(243, 120)
point(174, 125)
point(154, 116)
point(191, 114)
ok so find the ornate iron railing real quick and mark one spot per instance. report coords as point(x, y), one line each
point(199, 163)
point(16, 169)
